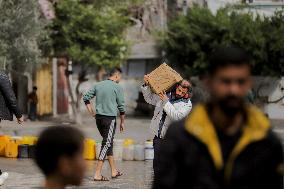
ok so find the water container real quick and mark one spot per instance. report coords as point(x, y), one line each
point(149, 150)
point(139, 152)
point(29, 140)
point(128, 153)
point(11, 149)
point(118, 149)
point(128, 142)
point(89, 149)
point(23, 150)
point(98, 149)
point(31, 151)
point(4, 139)
point(17, 139)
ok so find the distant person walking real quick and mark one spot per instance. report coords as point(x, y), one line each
point(59, 155)
point(109, 100)
point(33, 101)
point(8, 108)
point(169, 107)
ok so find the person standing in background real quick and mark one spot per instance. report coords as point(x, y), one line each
point(33, 101)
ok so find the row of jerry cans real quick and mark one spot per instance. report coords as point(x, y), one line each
point(24, 147)
point(91, 149)
point(138, 152)
point(122, 149)
point(13, 147)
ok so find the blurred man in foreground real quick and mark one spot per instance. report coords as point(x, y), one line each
point(59, 155)
point(224, 143)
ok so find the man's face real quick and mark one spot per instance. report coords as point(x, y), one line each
point(181, 92)
point(229, 86)
point(73, 169)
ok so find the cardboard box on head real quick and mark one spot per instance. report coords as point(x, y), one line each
point(163, 78)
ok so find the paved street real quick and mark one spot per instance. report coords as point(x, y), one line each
point(138, 175)
point(24, 174)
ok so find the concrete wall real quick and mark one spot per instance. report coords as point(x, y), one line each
point(272, 89)
point(266, 90)
point(131, 89)
point(214, 5)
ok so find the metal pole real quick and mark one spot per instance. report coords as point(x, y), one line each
point(54, 85)
point(69, 77)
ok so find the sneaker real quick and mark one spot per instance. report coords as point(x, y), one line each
point(3, 177)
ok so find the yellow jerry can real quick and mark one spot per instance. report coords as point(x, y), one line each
point(89, 149)
point(4, 139)
point(17, 139)
point(127, 142)
point(11, 150)
point(29, 140)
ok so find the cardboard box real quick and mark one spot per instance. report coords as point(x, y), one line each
point(163, 78)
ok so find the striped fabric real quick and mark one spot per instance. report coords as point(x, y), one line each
point(105, 148)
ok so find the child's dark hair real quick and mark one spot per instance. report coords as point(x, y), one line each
point(115, 70)
point(55, 142)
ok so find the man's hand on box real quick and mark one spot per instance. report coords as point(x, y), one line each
point(146, 79)
point(163, 96)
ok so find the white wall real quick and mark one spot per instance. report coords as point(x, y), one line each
point(131, 89)
point(214, 5)
point(276, 110)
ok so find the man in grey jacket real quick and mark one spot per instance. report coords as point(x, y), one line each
point(172, 106)
point(8, 107)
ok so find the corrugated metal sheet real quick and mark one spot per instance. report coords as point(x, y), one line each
point(44, 84)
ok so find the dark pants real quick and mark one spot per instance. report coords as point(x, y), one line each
point(157, 145)
point(106, 126)
point(33, 111)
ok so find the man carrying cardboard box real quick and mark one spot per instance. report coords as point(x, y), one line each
point(171, 106)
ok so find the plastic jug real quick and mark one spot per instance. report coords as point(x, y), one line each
point(118, 149)
point(17, 139)
point(29, 140)
point(139, 152)
point(23, 150)
point(128, 142)
point(4, 139)
point(89, 149)
point(31, 151)
point(11, 149)
point(128, 153)
point(149, 150)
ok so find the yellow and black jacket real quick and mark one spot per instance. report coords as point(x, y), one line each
point(191, 155)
